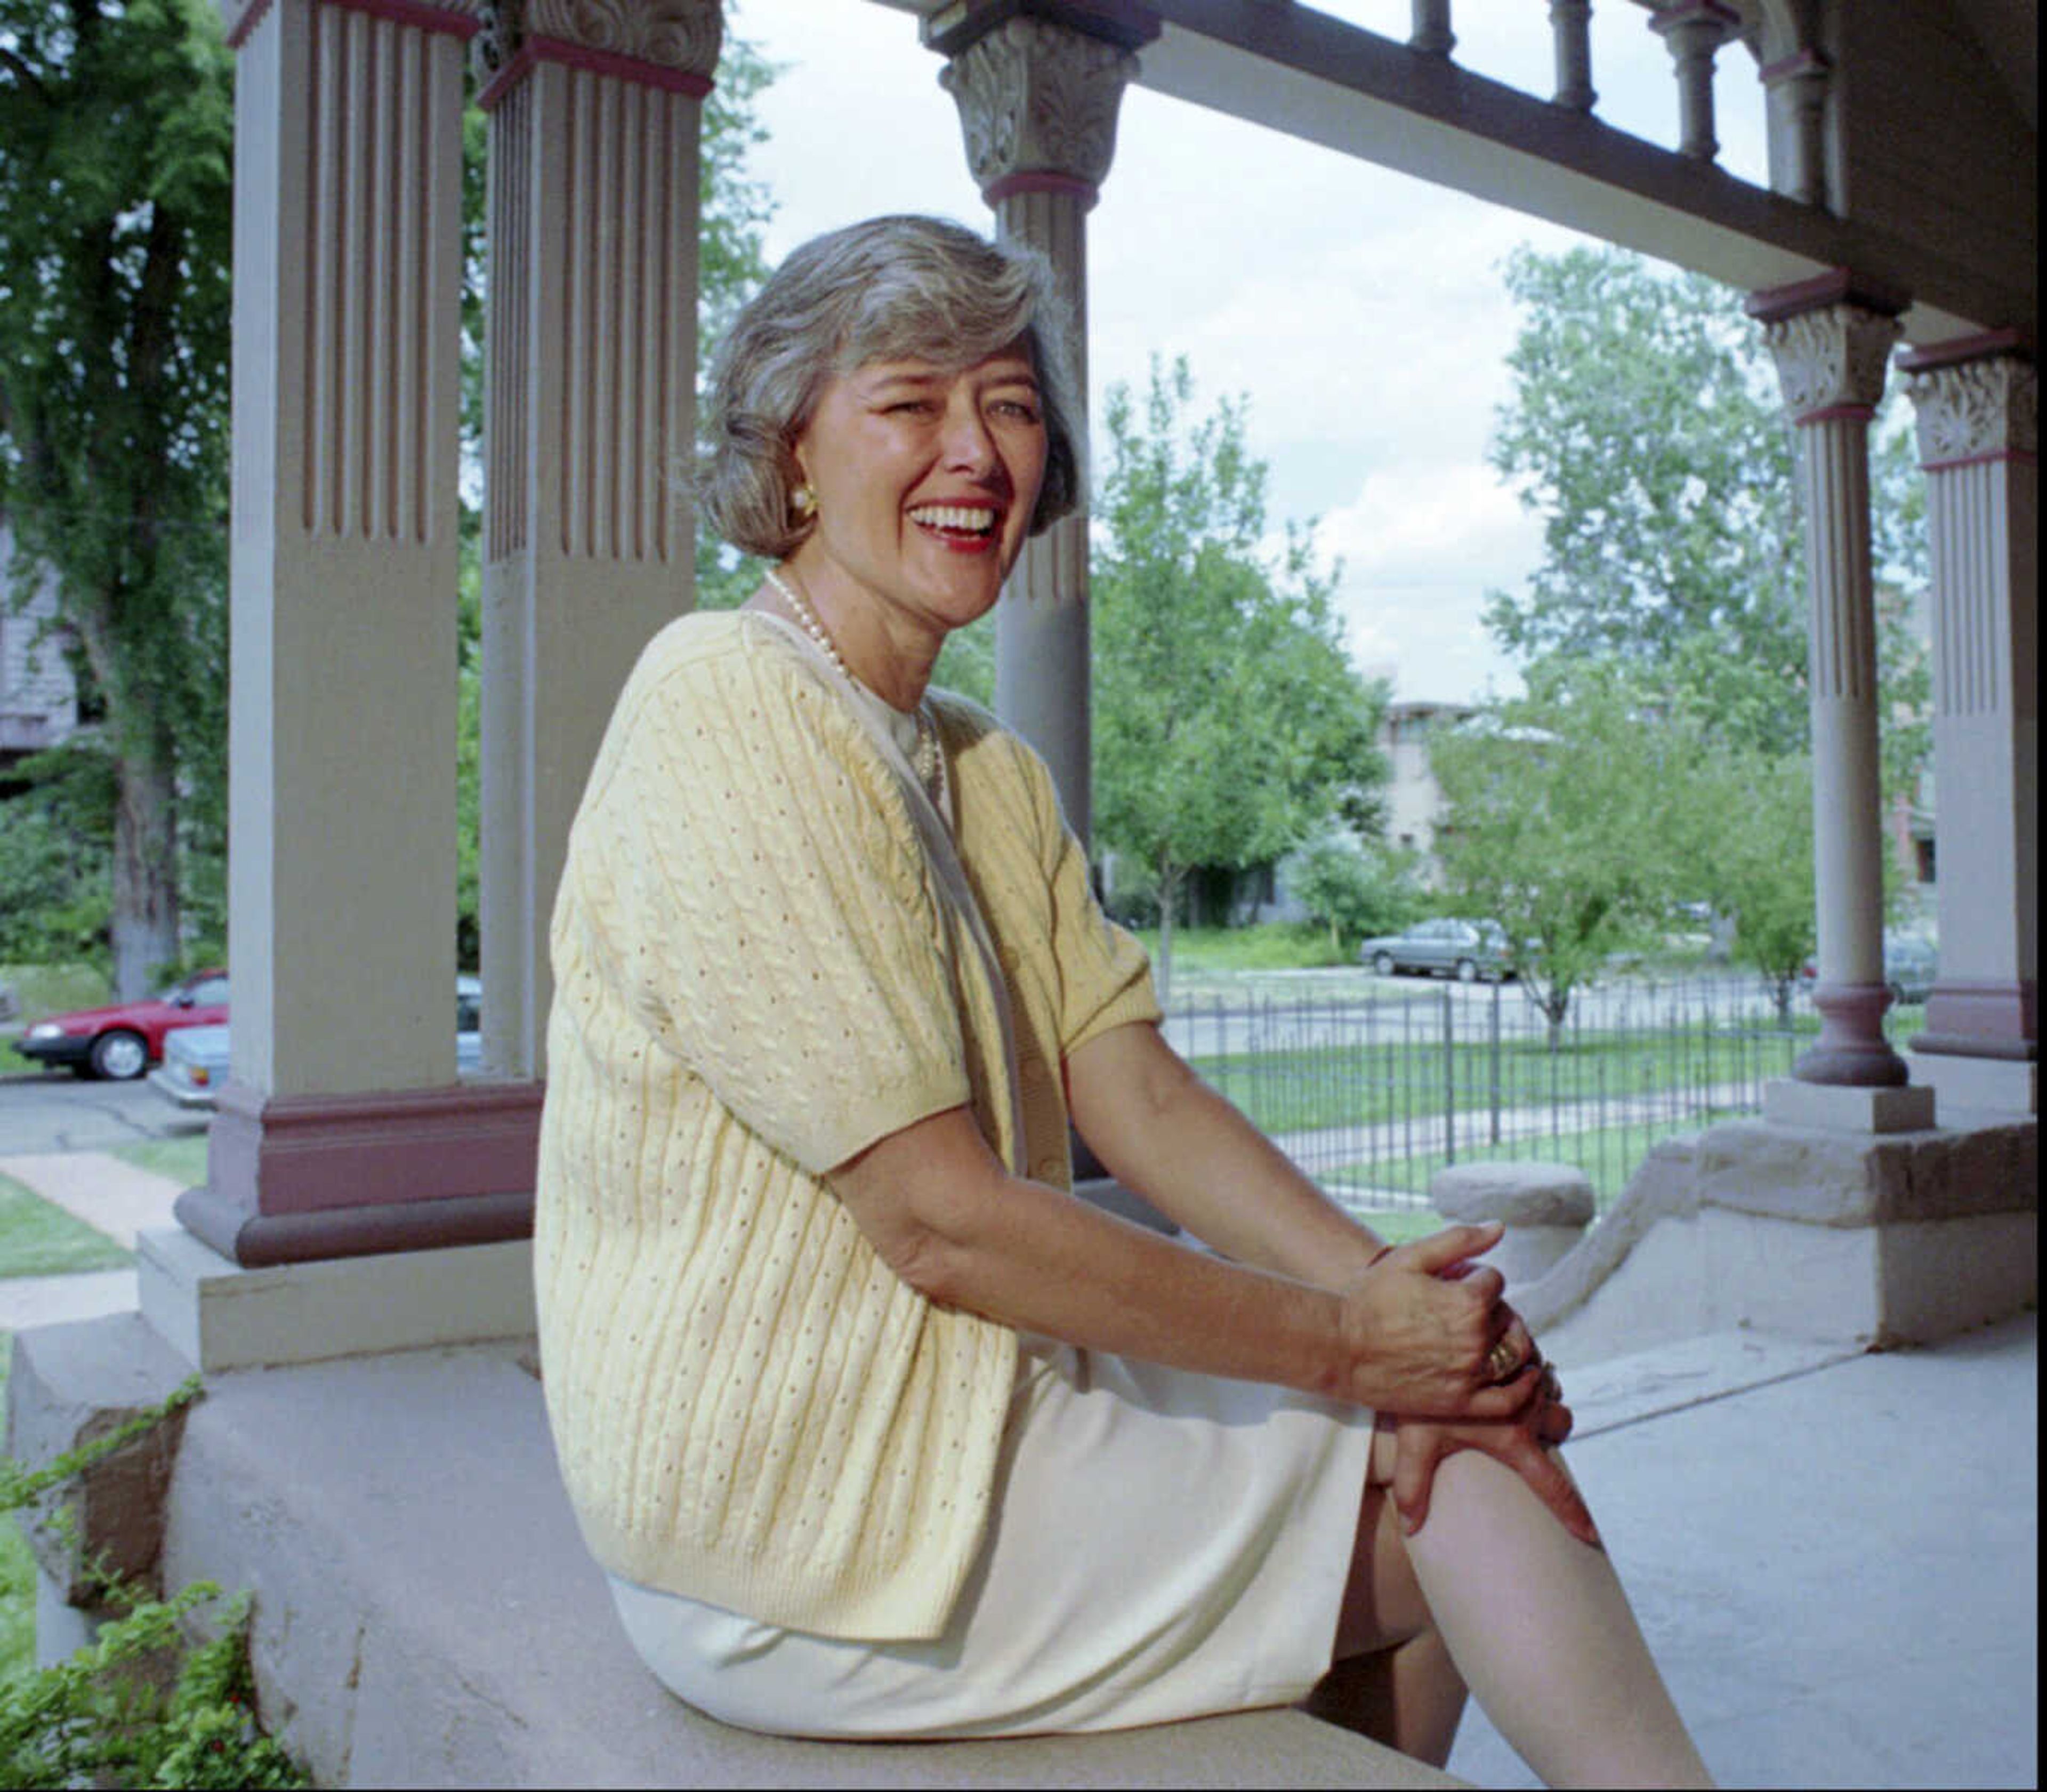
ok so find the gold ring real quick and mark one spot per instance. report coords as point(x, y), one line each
point(1502, 1360)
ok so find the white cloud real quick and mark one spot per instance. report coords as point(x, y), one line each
point(1422, 545)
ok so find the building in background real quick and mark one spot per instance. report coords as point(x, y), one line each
point(1414, 799)
point(38, 694)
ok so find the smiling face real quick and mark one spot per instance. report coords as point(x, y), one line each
point(925, 481)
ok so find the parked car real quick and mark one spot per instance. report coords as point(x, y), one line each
point(1911, 966)
point(1464, 949)
point(121, 1042)
point(195, 1059)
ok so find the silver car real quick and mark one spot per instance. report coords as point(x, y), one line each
point(195, 1062)
point(1467, 950)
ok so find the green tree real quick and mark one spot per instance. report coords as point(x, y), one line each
point(735, 209)
point(1355, 890)
point(1228, 721)
point(1645, 427)
point(116, 121)
point(1554, 822)
point(1751, 816)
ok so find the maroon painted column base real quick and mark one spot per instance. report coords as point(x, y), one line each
point(293, 1178)
point(1852, 1051)
point(1981, 1020)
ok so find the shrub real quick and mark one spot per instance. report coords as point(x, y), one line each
point(146, 1704)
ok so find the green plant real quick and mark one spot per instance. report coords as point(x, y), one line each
point(144, 1704)
point(38, 1237)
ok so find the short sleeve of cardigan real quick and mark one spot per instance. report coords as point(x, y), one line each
point(743, 855)
point(1105, 974)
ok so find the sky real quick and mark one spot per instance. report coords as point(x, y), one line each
point(1362, 311)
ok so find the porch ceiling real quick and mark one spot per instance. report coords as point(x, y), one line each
point(1297, 71)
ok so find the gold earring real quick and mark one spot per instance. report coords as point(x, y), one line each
point(804, 502)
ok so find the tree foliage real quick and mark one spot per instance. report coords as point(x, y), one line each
point(736, 208)
point(116, 121)
point(1228, 720)
point(1752, 816)
point(1554, 821)
point(1645, 428)
point(1355, 889)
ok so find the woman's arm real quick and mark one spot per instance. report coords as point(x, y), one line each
point(1163, 1133)
point(947, 1217)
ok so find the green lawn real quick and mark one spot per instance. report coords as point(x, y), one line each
point(38, 1239)
point(18, 1571)
point(54, 988)
point(183, 1159)
point(1608, 1155)
point(1400, 1224)
point(1275, 945)
point(1392, 1076)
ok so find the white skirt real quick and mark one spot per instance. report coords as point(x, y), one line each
point(1164, 1545)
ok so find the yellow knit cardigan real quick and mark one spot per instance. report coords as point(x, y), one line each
point(756, 978)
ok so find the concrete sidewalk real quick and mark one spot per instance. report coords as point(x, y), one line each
point(1836, 1570)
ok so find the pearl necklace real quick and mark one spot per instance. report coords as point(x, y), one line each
point(930, 763)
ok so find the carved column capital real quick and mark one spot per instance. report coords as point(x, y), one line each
point(1974, 410)
point(1830, 359)
point(1036, 98)
point(681, 37)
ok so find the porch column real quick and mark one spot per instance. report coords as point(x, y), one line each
point(1977, 403)
point(1038, 104)
point(1831, 340)
point(589, 406)
point(342, 1107)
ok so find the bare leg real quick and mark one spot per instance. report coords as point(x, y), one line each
point(1540, 1629)
point(1393, 1679)
point(1410, 1696)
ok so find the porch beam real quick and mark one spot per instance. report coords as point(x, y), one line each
point(1300, 72)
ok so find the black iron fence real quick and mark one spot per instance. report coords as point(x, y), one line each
point(1372, 1091)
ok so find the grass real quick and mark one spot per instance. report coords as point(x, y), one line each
point(1378, 1081)
point(43, 989)
point(182, 1159)
point(1608, 1155)
point(1399, 1225)
point(38, 1238)
point(17, 1570)
point(1273, 945)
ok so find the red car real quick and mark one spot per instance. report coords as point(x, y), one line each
point(122, 1042)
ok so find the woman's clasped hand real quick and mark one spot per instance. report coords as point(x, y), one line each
point(1439, 1346)
point(1425, 1320)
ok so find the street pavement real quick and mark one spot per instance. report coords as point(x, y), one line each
point(44, 1111)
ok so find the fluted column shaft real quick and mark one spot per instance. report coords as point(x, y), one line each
point(1038, 105)
point(348, 293)
point(1043, 683)
point(341, 1129)
point(1978, 405)
point(1831, 353)
point(588, 407)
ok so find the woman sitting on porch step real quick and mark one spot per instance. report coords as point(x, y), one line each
point(878, 1429)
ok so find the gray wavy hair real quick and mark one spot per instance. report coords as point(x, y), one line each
point(894, 289)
